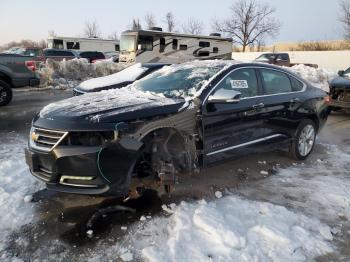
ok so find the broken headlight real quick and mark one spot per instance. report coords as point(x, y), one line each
point(89, 138)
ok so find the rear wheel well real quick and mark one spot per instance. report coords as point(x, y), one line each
point(314, 118)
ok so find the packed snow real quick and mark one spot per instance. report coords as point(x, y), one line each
point(69, 73)
point(253, 223)
point(16, 188)
point(127, 75)
point(318, 77)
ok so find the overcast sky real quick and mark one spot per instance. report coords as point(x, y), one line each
point(32, 19)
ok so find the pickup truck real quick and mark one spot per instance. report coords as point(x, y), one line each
point(280, 59)
point(15, 71)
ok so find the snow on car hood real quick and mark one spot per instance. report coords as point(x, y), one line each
point(127, 75)
point(111, 105)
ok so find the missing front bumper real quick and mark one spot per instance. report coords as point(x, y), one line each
point(85, 170)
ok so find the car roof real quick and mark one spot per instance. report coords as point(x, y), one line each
point(154, 65)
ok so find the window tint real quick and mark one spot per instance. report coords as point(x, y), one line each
point(275, 82)
point(31, 52)
point(204, 44)
point(73, 45)
point(283, 57)
point(296, 84)
point(116, 48)
point(203, 53)
point(175, 44)
point(161, 45)
point(58, 53)
point(215, 50)
point(57, 43)
point(183, 47)
point(92, 55)
point(146, 42)
point(241, 80)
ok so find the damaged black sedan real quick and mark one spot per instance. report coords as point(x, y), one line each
point(177, 120)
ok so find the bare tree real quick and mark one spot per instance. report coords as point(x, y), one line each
point(192, 26)
point(344, 17)
point(250, 23)
point(113, 36)
point(136, 24)
point(91, 29)
point(150, 20)
point(170, 21)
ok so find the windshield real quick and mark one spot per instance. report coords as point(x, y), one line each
point(127, 43)
point(177, 80)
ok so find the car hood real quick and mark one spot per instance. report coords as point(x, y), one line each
point(340, 82)
point(111, 106)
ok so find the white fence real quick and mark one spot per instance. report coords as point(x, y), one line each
point(332, 60)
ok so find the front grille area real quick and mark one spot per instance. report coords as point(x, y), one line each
point(45, 140)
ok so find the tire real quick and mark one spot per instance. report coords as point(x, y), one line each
point(5, 93)
point(304, 141)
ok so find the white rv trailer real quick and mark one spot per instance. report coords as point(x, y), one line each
point(83, 44)
point(149, 46)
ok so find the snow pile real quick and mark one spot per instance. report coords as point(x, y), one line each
point(16, 188)
point(256, 226)
point(233, 229)
point(68, 73)
point(319, 77)
point(128, 75)
point(320, 189)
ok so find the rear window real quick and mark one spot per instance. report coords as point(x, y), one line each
point(275, 82)
point(296, 84)
point(92, 55)
point(31, 52)
point(73, 45)
point(58, 53)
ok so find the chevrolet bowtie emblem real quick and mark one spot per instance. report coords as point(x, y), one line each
point(35, 137)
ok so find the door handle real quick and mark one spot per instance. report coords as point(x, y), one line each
point(258, 106)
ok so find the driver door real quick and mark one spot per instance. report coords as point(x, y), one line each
point(232, 128)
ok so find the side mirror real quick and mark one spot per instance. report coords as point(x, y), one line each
point(139, 47)
point(341, 73)
point(225, 96)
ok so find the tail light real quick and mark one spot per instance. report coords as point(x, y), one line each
point(327, 99)
point(30, 65)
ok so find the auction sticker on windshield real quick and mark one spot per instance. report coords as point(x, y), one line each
point(240, 84)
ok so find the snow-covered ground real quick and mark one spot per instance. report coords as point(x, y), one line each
point(293, 215)
point(16, 188)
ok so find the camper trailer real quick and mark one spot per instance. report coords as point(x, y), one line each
point(154, 45)
point(83, 44)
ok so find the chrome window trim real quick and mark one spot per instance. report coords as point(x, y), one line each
point(244, 144)
point(258, 67)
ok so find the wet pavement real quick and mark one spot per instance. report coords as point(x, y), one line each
point(62, 219)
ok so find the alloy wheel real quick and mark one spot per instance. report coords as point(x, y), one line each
point(306, 140)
